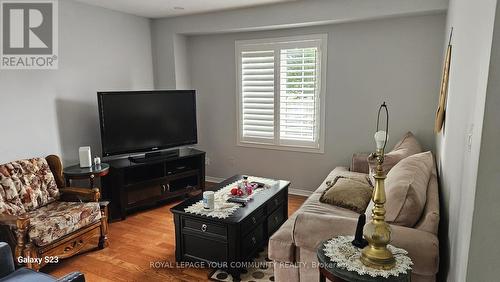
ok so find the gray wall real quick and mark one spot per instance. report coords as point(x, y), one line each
point(458, 158)
point(55, 111)
point(395, 60)
point(484, 251)
point(168, 61)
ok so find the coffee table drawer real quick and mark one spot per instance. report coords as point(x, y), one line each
point(275, 202)
point(252, 221)
point(253, 240)
point(275, 220)
point(205, 248)
point(205, 227)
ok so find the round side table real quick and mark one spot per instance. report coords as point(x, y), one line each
point(77, 172)
point(329, 269)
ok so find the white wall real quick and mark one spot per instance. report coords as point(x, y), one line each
point(484, 251)
point(395, 60)
point(458, 164)
point(55, 111)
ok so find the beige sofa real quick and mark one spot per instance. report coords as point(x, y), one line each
point(293, 247)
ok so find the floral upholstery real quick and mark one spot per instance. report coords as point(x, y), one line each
point(57, 219)
point(26, 185)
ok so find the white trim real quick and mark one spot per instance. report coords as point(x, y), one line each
point(276, 44)
point(300, 192)
point(213, 179)
point(281, 147)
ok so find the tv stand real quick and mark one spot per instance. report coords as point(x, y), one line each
point(155, 156)
point(137, 183)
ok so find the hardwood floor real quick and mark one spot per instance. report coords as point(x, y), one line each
point(142, 239)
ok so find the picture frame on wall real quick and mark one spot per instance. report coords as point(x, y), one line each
point(443, 93)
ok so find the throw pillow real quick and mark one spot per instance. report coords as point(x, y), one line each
point(353, 194)
point(406, 190)
point(404, 148)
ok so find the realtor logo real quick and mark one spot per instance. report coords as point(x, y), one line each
point(29, 38)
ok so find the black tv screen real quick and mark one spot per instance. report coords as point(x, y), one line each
point(140, 121)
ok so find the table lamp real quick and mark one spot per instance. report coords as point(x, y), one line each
point(377, 232)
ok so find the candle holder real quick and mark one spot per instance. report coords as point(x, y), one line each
point(377, 232)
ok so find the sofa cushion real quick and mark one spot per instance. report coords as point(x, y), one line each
point(406, 147)
point(57, 219)
point(26, 185)
point(406, 190)
point(353, 194)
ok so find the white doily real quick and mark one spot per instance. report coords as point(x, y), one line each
point(346, 256)
point(222, 208)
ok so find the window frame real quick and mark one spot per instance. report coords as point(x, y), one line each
point(276, 44)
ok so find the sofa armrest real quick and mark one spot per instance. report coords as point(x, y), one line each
point(422, 247)
point(312, 229)
point(6, 261)
point(359, 162)
point(72, 277)
point(72, 193)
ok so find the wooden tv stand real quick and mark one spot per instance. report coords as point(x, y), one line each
point(131, 186)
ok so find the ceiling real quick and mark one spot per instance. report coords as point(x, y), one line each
point(172, 8)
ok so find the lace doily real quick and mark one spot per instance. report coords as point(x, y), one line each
point(340, 251)
point(222, 208)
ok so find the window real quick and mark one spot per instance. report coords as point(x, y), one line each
point(281, 86)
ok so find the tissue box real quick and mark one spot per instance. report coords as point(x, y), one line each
point(85, 156)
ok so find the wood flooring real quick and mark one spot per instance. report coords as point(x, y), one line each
point(144, 238)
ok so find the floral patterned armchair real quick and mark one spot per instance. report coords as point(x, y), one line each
point(42, 219)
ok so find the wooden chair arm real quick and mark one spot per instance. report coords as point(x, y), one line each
point(89, 194)
point(7, 219)
point(22, 224)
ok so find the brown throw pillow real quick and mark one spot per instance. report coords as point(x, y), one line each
point(353, 194)
point(404, 148)
point(406, 190)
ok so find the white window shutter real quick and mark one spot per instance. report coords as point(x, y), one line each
point(281, 85)
point(299, 97)
point(257, 99)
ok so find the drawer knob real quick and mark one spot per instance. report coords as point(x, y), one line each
point(254, 240)
point(203, 227)
point(276, 219)
point(254, 220)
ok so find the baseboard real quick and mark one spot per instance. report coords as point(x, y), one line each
point(298, 192)
point(213, 179)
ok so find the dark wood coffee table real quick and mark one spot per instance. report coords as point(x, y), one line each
point(225, 243)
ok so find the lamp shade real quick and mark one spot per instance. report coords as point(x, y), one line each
point(380, 139)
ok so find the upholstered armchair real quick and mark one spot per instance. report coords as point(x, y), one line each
point(42, 220)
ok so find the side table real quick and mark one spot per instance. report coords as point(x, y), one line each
point(77, 172)
point(330, 269)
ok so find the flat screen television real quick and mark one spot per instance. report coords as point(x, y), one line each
point(142, 121)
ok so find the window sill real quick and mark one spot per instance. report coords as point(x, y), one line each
point(281, 147)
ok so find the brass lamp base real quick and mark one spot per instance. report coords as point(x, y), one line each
point(377, 232)
point(379, 258)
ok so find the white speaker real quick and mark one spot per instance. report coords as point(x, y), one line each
point(85, 156)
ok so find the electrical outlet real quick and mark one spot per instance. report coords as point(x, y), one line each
point(207, 161)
